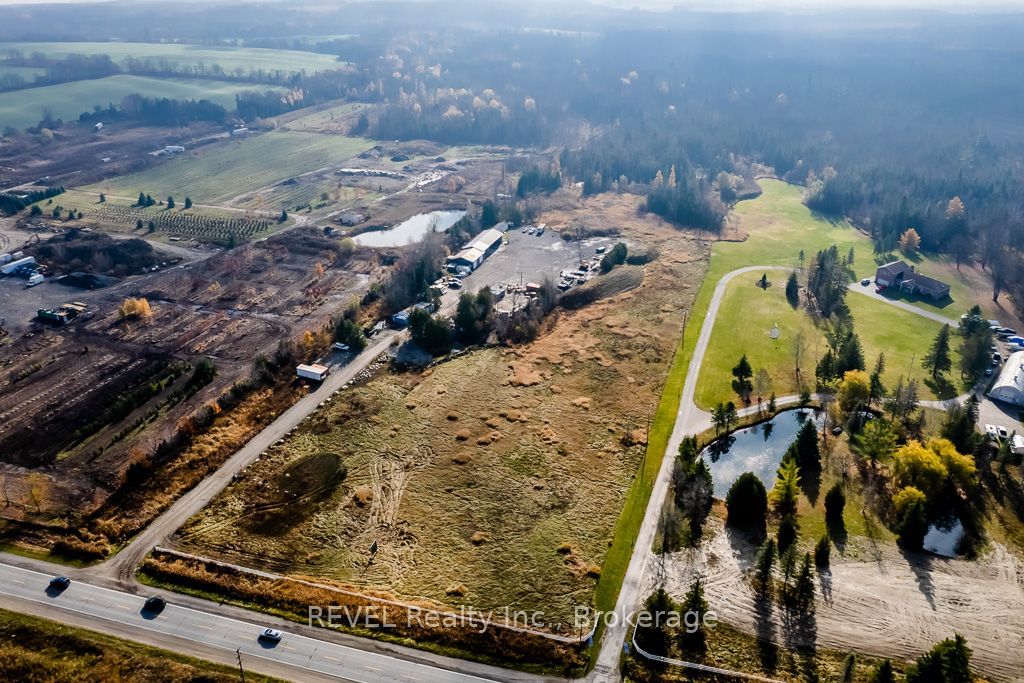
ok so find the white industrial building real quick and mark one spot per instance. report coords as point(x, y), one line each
point(1009, 386)
point(474, 253)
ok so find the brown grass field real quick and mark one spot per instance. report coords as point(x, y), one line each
point(492, 480)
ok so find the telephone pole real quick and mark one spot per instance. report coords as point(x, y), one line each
point(241, 671)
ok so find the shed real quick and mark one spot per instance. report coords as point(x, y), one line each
point(1009, 386)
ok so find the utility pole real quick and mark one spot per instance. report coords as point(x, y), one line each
point(241, 671)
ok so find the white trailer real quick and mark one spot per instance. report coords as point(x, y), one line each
point(35, 279)
point(314, 372)
point(1018, 444)
point(12, 266)
point(5, 258)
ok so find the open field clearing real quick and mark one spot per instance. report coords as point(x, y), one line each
point(494, 479)
point(197, 223)
point(748, 314)
point(24, 108)
point(316, 191)
point(220, 172)
point(337, 120)
point(227, 58)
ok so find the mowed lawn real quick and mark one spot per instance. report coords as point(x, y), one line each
point(225, 170)
point(227, 58)
point(747, 315)
point(778, 226)
point(24, 108)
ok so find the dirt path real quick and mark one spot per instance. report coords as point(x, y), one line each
point(888, 604)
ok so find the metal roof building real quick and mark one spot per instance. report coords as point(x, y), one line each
point(1009, 387)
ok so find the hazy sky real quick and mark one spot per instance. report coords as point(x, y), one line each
point(956, 5)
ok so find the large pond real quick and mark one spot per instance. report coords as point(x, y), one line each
point(758, 449)
point(410, 230)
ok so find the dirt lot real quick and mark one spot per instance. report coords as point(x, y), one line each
point(883, 602)
point(75, 154)
point(494, 479)
point(67, 382)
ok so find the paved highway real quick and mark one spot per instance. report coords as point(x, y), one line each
point(209, 635)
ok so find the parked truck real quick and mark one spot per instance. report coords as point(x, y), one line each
point(18, 264)
point(315, 372)
point(35, 279)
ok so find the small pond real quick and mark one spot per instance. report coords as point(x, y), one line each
point(410, 230)
point(758, 449)
point(943, 538)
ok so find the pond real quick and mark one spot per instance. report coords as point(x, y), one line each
point(943, 538)
point(758, 449)
point(410, 230)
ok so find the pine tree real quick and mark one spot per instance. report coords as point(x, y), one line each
point(787, 533)
point(142, 199)
point(803, 590)
point(694, 644)
point(849, 669)
point(938, 360)
point(742, 373)
point(883, 673)
point(188, 202)
point(763, 574)
point(170, 202)
point(793, 290)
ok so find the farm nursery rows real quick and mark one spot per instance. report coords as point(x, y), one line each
point(193, 225)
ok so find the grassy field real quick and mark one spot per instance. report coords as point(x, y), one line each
point(119, 214)
point(24, 108)
point(332, 120)
point(901, 335)
point(497, 478)
point(220, 172)
point(778, 226)
point(41, 650)
point(228, 58)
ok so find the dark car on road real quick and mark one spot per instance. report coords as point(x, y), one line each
point(59, 583)
point(154, 604)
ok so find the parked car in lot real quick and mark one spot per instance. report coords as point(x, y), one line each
point(270, 635)
point(865, 282)
point(1003, 434)
point(991, 433)
point(988, 372)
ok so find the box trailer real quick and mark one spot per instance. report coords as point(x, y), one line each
point(18, 264)
point(35, 279)
point(315, 372)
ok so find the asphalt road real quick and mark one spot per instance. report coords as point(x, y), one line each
point(208, 635)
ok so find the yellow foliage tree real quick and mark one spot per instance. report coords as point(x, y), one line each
point(910, 241)
point(905, 497)
point(955, 209)
point(854, 391)
point(927, 467)
point(135, 308)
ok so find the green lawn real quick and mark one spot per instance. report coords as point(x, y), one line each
point(747, 314)
point(217, 173)
point(23, 108)
point(778, 226)
point(227, 58)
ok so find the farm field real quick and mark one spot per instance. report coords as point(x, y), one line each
point(227, 58)
point(226, 170)
point(336, 120)
point(495, 479)
point(901, 335)
point(24, 108)
point(120, 214)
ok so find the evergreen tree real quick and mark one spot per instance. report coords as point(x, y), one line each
point(170, 202)
point(793, 290)
point(849, 668)
point(883, 673)
point(787, 486)
point(742, 373)
point(913, 525)
point(652, 635)
point(803, 590)
point(694, 644)
point(103, 198)
point(938, 359)
point(787, 533)
point(283, 217)
point(822, 552)
point(948, 662)
point(188, 202)
point(763, 573)
point(835, 501)
point(142, 200)
point(746, 503)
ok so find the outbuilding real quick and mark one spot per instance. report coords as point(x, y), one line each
point(1009, 386)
